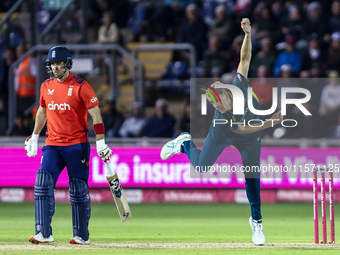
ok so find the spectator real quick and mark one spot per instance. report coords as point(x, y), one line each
point(278, 10)
point(141, 26)
point(216, 73)
point(329, 110)
point(314, 86)
point(132, 126)
point(333, 62)
point(21, 127)
point(263, 87)
point(309, 126)
point(266, 57)
point(314, 26)
point(94, 16)
point(180, 3)
point(161, 124)
point(287, 80)
point(25, 80)
point(7, 59)
point(330, 100)
point(176, 71)
point(293, 24)
point(286, 72)
point(289, 56)
point(213, 57)
point(167, 18)
point(222, 27)
point(233, 54)
point(266, 25)
point(108, 32)
point(112, 119)
point(193, 30)
point(334, 20)
point(184, 120)
point(313, 56)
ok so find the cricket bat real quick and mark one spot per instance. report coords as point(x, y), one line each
point(118, 195)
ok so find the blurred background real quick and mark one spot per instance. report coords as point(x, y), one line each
point(139, 56)
point(140, 51)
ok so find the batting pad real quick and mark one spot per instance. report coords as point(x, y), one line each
point(81, 207)
point(44, 202)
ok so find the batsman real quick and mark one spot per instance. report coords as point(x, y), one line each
point(246, 139)
point(65, 100)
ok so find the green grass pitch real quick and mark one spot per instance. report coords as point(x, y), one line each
point(170, 229)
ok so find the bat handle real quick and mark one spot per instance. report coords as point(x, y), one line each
point(109, 168)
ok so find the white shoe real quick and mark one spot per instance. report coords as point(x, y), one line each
point(258, 235)
point(79, 240)
point(174, 146)
point(39, 238)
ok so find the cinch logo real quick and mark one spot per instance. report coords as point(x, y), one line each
point(238, 99)
point(52, 106)
point(94, 99)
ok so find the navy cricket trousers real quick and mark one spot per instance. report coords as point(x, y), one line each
point(74, 157)
point(250, 152)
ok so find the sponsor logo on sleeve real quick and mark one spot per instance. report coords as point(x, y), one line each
point(239, 77)
point(94, 99)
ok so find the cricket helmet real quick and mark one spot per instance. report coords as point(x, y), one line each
point(56, 54)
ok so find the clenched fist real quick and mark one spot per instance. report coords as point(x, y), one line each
point(31, 145)
point(245, 25)
point(103, 150)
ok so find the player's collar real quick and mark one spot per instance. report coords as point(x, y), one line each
point(69, 77)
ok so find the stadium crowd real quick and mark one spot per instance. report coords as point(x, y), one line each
point(295, 43)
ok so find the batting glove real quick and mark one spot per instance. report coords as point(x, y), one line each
point(31, 145)
point(103, 150)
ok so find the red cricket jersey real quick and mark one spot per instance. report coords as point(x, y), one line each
point(66, 106)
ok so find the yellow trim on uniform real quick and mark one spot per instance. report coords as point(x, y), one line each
point(254, 95)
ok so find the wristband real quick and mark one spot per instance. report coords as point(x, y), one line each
point(99, 129)
point(35, 136)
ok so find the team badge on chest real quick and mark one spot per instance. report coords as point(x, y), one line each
point(70, 89)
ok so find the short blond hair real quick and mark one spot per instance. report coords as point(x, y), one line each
point(220, 91)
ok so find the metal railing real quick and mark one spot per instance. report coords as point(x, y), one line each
point(41, 52)
point(10, 12)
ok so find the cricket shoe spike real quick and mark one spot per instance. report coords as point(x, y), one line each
point(79, 240)
point(174, 146)
point(258, 235)
point(39, 238)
